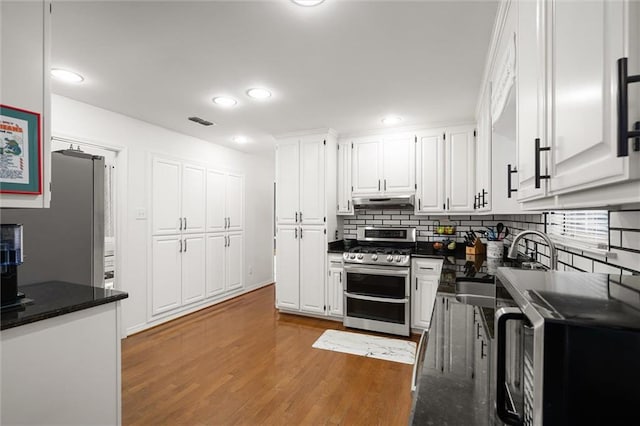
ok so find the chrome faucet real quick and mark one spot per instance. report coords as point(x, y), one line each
point(513, 251)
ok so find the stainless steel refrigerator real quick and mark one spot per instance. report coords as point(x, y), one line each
point(66, 241)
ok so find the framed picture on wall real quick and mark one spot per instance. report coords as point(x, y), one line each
point(20, 162)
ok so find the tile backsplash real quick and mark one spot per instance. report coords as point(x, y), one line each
point(623, 256)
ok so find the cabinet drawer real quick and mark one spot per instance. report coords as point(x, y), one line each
point(427, 266)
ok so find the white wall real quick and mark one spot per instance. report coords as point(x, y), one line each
point(83, 122)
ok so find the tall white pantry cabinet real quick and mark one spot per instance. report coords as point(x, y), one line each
point(306, 170)
point(197, 234)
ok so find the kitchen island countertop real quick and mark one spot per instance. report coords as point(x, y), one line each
point(54, 298)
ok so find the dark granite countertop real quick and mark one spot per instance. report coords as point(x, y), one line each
point(55, 298)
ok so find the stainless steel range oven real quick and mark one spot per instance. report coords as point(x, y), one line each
point(378, 275)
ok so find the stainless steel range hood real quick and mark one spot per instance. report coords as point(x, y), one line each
point(404, 202)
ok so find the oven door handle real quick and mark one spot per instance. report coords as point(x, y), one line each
point(376, 299)
point(371, 270)
point(504, 315)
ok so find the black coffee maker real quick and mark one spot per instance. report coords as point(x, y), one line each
point(10, 258)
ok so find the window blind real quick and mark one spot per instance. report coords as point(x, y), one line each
point(585, 228)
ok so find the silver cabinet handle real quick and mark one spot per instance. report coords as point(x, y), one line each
point(300, 233)
point(300, 217)
point(385, 184)
point(181, 224)
point(378, 184)
point(296, 217)
point(185, 245)
point(185, 224)
point(348, 204)
point(229, 238)
point(229, 222)
point(296, 233)
point(225, 240)
point(180, 251)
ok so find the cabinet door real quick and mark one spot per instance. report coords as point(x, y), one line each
point(216, 264)
point(287, 181)
point(313, 251)
point(287, 267)
point(483, 157)
point(312, 191)
point(193, 268)
point(235, 261)
point(216, 196)
point(165, 193)
point(399, 167)
point(344, 179)
point(425, 289)
point(460, 173)
point(366, 172)
point(584, 109)
point(235, 197)
point(434, 358)
point(335, 291)
point(166, 273)
point(430, 171)
point(194, 198)
point(458, 338)
point(530, 84)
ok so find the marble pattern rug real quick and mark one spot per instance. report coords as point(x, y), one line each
point(366, 345)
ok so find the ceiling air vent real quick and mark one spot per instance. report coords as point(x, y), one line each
point(201, 121)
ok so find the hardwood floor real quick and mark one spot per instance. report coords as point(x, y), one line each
point(242, 362)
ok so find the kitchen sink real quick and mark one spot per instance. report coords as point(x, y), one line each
point(476, 292)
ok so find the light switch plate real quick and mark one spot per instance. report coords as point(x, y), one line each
point(141, 214)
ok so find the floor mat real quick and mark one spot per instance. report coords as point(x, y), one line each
point(366, 345)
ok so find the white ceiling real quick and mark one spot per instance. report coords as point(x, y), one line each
point(343, 64)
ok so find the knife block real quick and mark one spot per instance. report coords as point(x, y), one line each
point(476, 248)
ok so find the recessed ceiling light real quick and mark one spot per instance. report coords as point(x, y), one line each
point(259, 93)
point(224, 101)
point(66, 75)
point(390, 120)
point(307, 3)
point(240, 139)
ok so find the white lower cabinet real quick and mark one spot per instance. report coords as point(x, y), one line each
point(193, 268)
point(224, 263)
point(216, 250)
point(178, 271)
point(335, 287)
point(425, 281)
point(300, 276)
point(166, 273)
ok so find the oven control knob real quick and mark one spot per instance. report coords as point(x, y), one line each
point(398, 258)
point(389, 258)
point(374, 257)
point(360, 256)
point(352, 256)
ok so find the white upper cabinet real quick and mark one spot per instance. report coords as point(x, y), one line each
point(367, 170)
point(224, 200)
point(483, 190)
point(531, 86)
point(345, 206)
point(25, 83)
point(193, 198)
point(287, 181)
point(446, 170)
point(216, 201)
point(166, 194)
point(583, 93)
point(399, 173)
point(384, 165)
point(460, 174)
point(312, 181)
point(234, 201)
point(430, 171)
